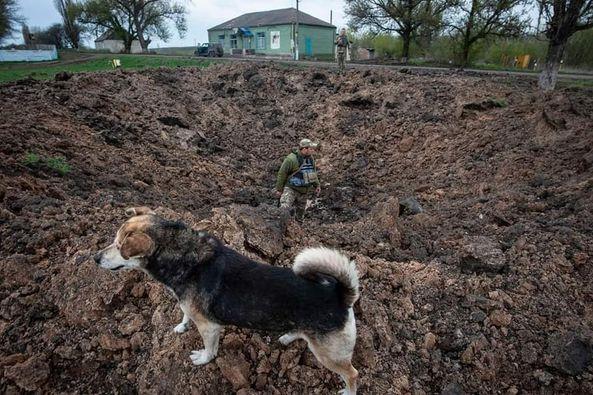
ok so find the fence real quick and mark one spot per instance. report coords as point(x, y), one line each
point(37, 53)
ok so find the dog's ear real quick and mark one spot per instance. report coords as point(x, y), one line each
point(136, 245)
point(133, 211)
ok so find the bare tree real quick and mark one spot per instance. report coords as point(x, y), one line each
point(474, 20)
point(563, 19)
point(9, 18)
point(404, 17)
point(53, 35)
point(70, 10)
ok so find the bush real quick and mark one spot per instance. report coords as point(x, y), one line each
point(578, 52)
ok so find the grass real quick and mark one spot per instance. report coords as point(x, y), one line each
point(31, 159)
point(91, 63)
point(57, 164)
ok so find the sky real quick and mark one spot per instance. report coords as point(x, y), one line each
point(202, 15)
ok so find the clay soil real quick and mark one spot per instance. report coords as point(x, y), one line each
point(487, 290)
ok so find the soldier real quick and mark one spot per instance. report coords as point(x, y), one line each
point(297, 177)
point(343, 45)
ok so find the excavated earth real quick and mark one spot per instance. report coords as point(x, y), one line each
point(464, 199)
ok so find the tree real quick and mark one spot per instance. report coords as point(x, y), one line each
point(70, 10)
point(9, 18)
point(474, 20)
point(107, 15)
point(404, 17)
point(151, 17)
point(135, 19)
point(53, 35)
point(563, 19)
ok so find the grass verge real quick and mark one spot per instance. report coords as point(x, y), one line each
point(92, 63)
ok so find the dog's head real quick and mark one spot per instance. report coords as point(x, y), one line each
point(133, 242)
point(150, 243)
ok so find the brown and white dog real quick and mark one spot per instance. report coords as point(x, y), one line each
point(217, 286)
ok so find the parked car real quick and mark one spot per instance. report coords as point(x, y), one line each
point(209, 49)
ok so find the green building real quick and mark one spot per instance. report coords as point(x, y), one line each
point(273, 33)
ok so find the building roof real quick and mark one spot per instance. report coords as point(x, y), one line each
point(107, 35)
point(273, 17)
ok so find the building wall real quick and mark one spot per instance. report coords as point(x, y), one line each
point(117, 46)
point(318, 39)
point(321, 39)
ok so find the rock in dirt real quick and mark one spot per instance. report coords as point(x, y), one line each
point(131, 324)
point(235, 369)
point(113, 343)
point(569, 353)
point(500, 318)
point(63, 76)
point(410, 206)
point(452, 389)
point(430, 341)
point(482, 255)
point(257, 231)
point(29, 375)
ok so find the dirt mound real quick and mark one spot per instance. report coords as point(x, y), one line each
point(465, 201)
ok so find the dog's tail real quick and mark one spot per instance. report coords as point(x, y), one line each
point(312, 261)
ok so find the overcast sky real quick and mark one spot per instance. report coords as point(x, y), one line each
point(203, 14)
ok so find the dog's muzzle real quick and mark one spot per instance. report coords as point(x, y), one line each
point(97, 258)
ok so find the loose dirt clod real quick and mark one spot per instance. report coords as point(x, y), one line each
point(487, 290)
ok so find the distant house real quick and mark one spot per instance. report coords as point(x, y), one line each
point(273, 32)
point(110, 41)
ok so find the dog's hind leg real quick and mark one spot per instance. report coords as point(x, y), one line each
point(183, 326)
point(210, 332)
point(334, 351)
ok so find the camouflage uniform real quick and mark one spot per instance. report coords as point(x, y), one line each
point(342, 44)
point(292, 169)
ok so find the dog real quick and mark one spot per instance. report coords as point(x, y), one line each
point(217, 286)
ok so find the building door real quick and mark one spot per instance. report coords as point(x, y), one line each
point(308, 46)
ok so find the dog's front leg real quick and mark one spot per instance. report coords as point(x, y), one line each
point(210, 332)
point(183, 326)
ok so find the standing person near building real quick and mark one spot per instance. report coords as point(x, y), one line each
point(342, 45)
point(297, 178)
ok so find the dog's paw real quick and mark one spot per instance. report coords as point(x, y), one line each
point(201, 357)
point(181, 328)
point(287, 339)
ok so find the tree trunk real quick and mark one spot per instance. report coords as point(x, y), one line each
point(406, 37)
point(128, 43)
point(465, 54)
point(143, 42)
point(549, 74)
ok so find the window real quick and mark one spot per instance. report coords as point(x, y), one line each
point(261, 41)
point(221, 39)
point(233, 41)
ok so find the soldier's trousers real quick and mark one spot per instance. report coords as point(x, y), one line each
point(341, 60)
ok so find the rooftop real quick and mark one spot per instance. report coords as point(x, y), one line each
point(272, 17)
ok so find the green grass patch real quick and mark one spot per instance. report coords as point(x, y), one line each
point(56, 164)
point(93, 63)
point(59, 165)
point(31, 159)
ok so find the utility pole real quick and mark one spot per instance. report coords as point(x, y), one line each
point(296, 33)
